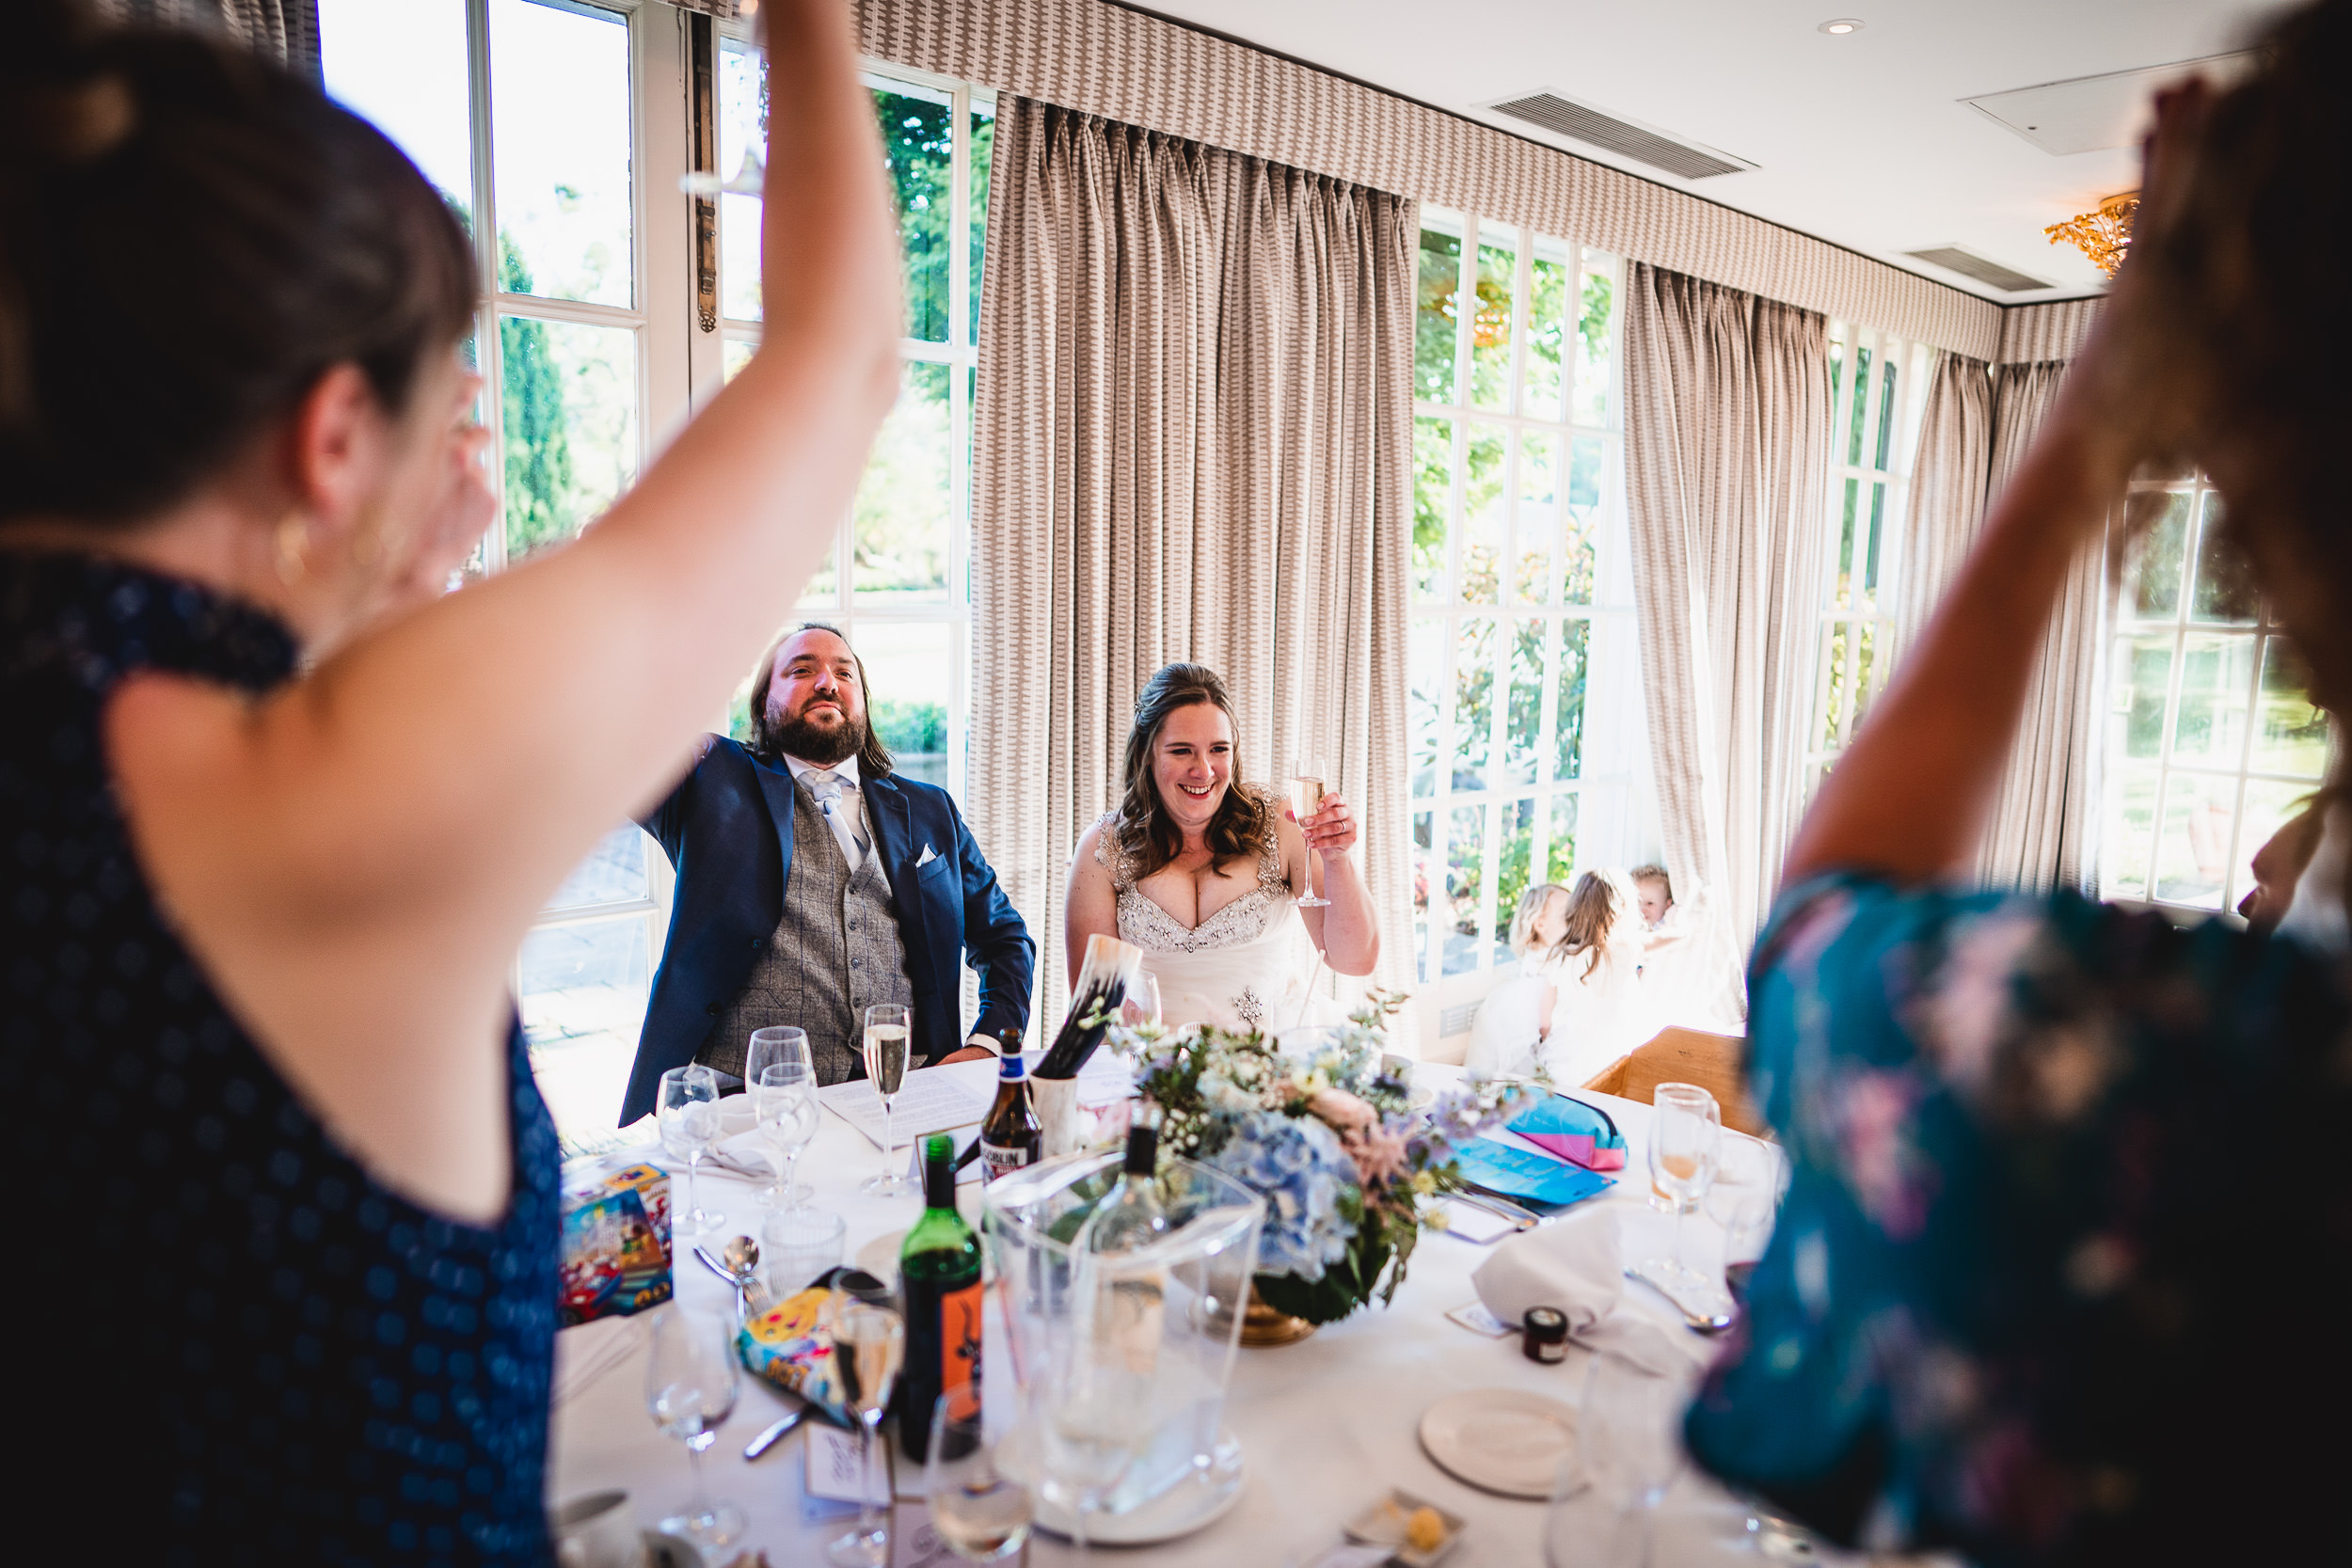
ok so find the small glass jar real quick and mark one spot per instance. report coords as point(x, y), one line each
point(1544, 1334)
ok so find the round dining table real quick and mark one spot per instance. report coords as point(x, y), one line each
point(1326, 1425)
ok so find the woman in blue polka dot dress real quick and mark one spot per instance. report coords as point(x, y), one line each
point(277, 810)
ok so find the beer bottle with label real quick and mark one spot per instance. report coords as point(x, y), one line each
point(940, 1270)
point(1010, 1136)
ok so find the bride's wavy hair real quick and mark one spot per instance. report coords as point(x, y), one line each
point(1145, 831)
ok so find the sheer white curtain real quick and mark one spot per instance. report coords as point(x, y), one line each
point(1727, 414)
point(1192, 440)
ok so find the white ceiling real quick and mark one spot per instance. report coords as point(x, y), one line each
point(1859, 139)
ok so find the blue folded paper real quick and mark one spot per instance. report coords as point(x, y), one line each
point(1527, 1175)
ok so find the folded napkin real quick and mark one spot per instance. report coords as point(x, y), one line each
point(1573, 1131)
point(1577, 1266)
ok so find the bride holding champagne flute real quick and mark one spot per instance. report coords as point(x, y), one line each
point(1203, 871)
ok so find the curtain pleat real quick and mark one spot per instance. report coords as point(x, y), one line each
point(287, 30)
point(2041, 833)
point(1975, 430)
point(1948, 478)
point(1727, 403)
point(1191, 441)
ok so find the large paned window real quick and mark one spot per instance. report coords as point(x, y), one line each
point(904, 602)
point(557, 130)
point(1521, 652)
point(1874, 403)
point(2212, 739)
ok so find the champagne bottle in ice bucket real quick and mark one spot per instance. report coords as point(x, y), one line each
point(1110, 968)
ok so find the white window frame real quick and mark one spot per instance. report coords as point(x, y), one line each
point(1829, 729)
point(2123, 625)
point(1607, 766)
point(860, 618)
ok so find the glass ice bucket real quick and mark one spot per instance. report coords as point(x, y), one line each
point(1200, 1277)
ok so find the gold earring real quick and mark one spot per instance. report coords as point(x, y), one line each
point(294, 544)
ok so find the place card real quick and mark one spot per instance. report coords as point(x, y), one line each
point(1474, 1316)
point(833, 1465)
point(1466, 1222)
point(913, 1544)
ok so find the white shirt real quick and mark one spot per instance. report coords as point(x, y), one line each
point(854, 802)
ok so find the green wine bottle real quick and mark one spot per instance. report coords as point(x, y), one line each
point(940, 1270)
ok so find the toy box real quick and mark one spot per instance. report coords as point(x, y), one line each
point(616, 1245)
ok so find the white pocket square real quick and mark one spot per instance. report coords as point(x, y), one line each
point(926, 858)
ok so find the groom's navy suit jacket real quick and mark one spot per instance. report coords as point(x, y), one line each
point(727, 829)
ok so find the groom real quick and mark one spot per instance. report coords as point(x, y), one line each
point(813, 883)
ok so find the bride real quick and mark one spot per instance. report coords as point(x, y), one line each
point(1203, 874)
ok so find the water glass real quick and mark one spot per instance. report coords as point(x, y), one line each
point(691, 1385)
point(797, 1245)
point(782, 1078)
point(869, 1347)
point(686, 1111)
point(1628, 1453)
point(981, 1512)
point(1686, 1135)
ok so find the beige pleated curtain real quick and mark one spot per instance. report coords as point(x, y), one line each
point(1975, 427)
point(1191, 441)
point(285, 29)
point(1726, 442)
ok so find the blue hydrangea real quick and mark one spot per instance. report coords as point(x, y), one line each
point(1296, 1165)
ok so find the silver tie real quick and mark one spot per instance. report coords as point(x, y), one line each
point(844, 822)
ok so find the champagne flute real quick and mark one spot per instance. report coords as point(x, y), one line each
point(868, 1346)
point(1309, 776)
point(981, 1512)
point(889, 1035)
point(783, 1078)
point(1685, 1151)
point(687, 1110)
point(690, 1385)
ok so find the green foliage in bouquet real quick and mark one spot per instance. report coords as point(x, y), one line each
point(1328, 1137)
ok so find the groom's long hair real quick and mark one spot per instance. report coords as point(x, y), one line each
point(1239, 827)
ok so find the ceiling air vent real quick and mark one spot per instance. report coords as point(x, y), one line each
point(1951, 257)
point(1652, 148)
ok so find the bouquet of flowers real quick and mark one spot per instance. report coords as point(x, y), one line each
point(1326, 1139)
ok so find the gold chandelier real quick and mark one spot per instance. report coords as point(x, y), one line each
point(2104, 235)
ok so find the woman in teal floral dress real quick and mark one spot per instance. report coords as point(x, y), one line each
point(2061, 1273)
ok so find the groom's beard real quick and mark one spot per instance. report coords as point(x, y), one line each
point(797, 737)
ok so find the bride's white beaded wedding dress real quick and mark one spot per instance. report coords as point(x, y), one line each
point(1244, 967)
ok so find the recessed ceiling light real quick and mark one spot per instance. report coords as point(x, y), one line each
point(1842, 25)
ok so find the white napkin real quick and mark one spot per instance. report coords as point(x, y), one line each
point(1575, 1265)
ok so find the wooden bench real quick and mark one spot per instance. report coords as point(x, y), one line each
point(1715, 1063)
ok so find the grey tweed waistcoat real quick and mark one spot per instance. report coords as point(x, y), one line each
point(835, 951)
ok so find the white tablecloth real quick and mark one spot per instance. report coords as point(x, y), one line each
point(1326, 1425)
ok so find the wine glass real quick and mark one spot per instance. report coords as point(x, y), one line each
point(688, 1112)
point(1095, 1418)
point(868, 1346)
point(980, 1511)
point(783, 1080)
point(889, 1035)
point(1141, 1007)
point(1686, 1135)
point(690, 1385)
point(1742, 1200)
point(1626, 1440)
point(1309, 776)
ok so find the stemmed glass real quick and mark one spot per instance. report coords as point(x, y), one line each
point(1742, 1200)
point(868, 1346)
point(688, 1112)
point(783, 1078)
point(691, 1384)
point(1309, 776)
point(889, 1035)
point(1097, 1413)
point(1686, 1135)
point(1627, 1454)
point(981, 1512)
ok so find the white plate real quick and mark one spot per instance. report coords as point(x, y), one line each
point(1502, 1440)
point(1183, 1508)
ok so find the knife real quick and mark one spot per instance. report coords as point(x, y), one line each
point(774, 1434)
